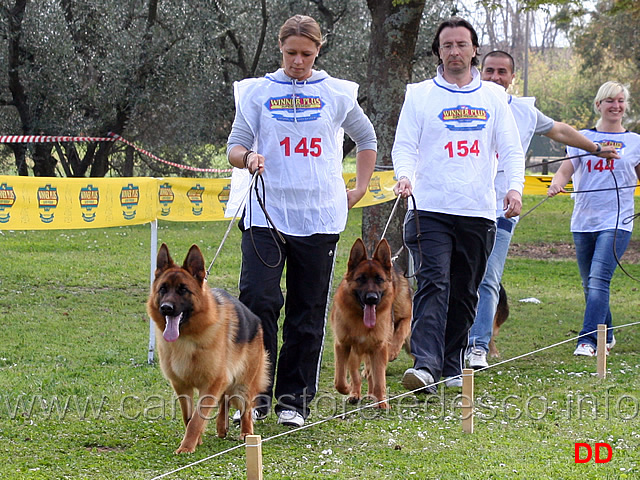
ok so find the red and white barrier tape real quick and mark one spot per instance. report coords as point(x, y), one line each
point(50, 139)
point(111, 138)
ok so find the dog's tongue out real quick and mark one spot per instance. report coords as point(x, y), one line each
point(369, 318)
point(172, 329)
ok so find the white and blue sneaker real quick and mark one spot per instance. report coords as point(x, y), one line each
point(453, 382)
point(419, 379)
point(290, 418)
point(476, 358)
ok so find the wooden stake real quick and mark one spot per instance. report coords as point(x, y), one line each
point(602, 350)
point(254, 457)
point(467, 400)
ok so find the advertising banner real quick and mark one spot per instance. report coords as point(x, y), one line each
point(38, 203)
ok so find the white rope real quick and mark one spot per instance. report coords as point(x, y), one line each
point(199, 461)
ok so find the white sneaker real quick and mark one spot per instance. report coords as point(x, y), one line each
point(290, 418)
point(419, 379)
point(255, 414)
point(611, 345)
point(453, 382)
point(476, 358)
point(585, 350)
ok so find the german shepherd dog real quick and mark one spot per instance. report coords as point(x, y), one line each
point(371, 318)
point(207, 341)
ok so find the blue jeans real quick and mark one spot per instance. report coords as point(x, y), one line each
point(482, 327)
point(596, 261)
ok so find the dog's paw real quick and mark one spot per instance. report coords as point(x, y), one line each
point(382, 404)
point(353, 399)
point(182, 449)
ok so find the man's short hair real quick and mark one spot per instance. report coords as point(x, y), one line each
point(502, 54)
point(455, 22)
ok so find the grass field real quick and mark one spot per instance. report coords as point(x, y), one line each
point(79, 401)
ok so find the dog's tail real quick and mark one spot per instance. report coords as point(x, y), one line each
point(502, 312)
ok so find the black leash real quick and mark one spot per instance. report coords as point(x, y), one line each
point(418, 236)
point(615, 231)
point(536, 165)
point(536, 206)
point(262, 202)
point(404, 245)
point(602, 189)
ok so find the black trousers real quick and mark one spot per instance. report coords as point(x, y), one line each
point(309, 268)
point(450, 258)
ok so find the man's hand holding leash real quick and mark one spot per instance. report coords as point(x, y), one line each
point(512, 204)
point(403, 187)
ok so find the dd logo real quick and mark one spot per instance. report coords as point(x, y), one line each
point(590, 454)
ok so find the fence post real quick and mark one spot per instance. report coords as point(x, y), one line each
point(254, 457)
point(153, 251)
point(602, 351)
point(467, 400)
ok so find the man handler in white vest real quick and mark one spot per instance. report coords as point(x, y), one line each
point(499, 67)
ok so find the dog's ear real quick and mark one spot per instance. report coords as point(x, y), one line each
point(357, 255)
point(383, 254)
point(163, 260)
point(194, 263)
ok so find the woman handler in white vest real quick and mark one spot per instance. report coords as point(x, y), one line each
point(289, 127)
point(601, 222)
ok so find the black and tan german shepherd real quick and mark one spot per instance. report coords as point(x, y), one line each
point(207, 341)
point(371, 318)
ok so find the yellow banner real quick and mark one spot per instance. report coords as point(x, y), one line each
point(380, 188)
point(38, 203)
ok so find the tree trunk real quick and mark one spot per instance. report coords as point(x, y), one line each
point(394, 32)
point(14, 19)
point(20, 155)
point(144, 70)
point(127, 169)
point(44, 164)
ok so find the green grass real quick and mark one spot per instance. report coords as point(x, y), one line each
point(78, 399)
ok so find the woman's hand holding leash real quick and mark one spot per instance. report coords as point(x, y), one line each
point(253, 161)
point(555, 189)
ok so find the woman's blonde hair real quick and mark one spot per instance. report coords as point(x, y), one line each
point(609, 90)
point(301, 26)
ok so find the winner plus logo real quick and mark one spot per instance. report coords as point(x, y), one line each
point(295, 108)
point(464, 118)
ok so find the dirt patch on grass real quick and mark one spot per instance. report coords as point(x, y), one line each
point(565, 251)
